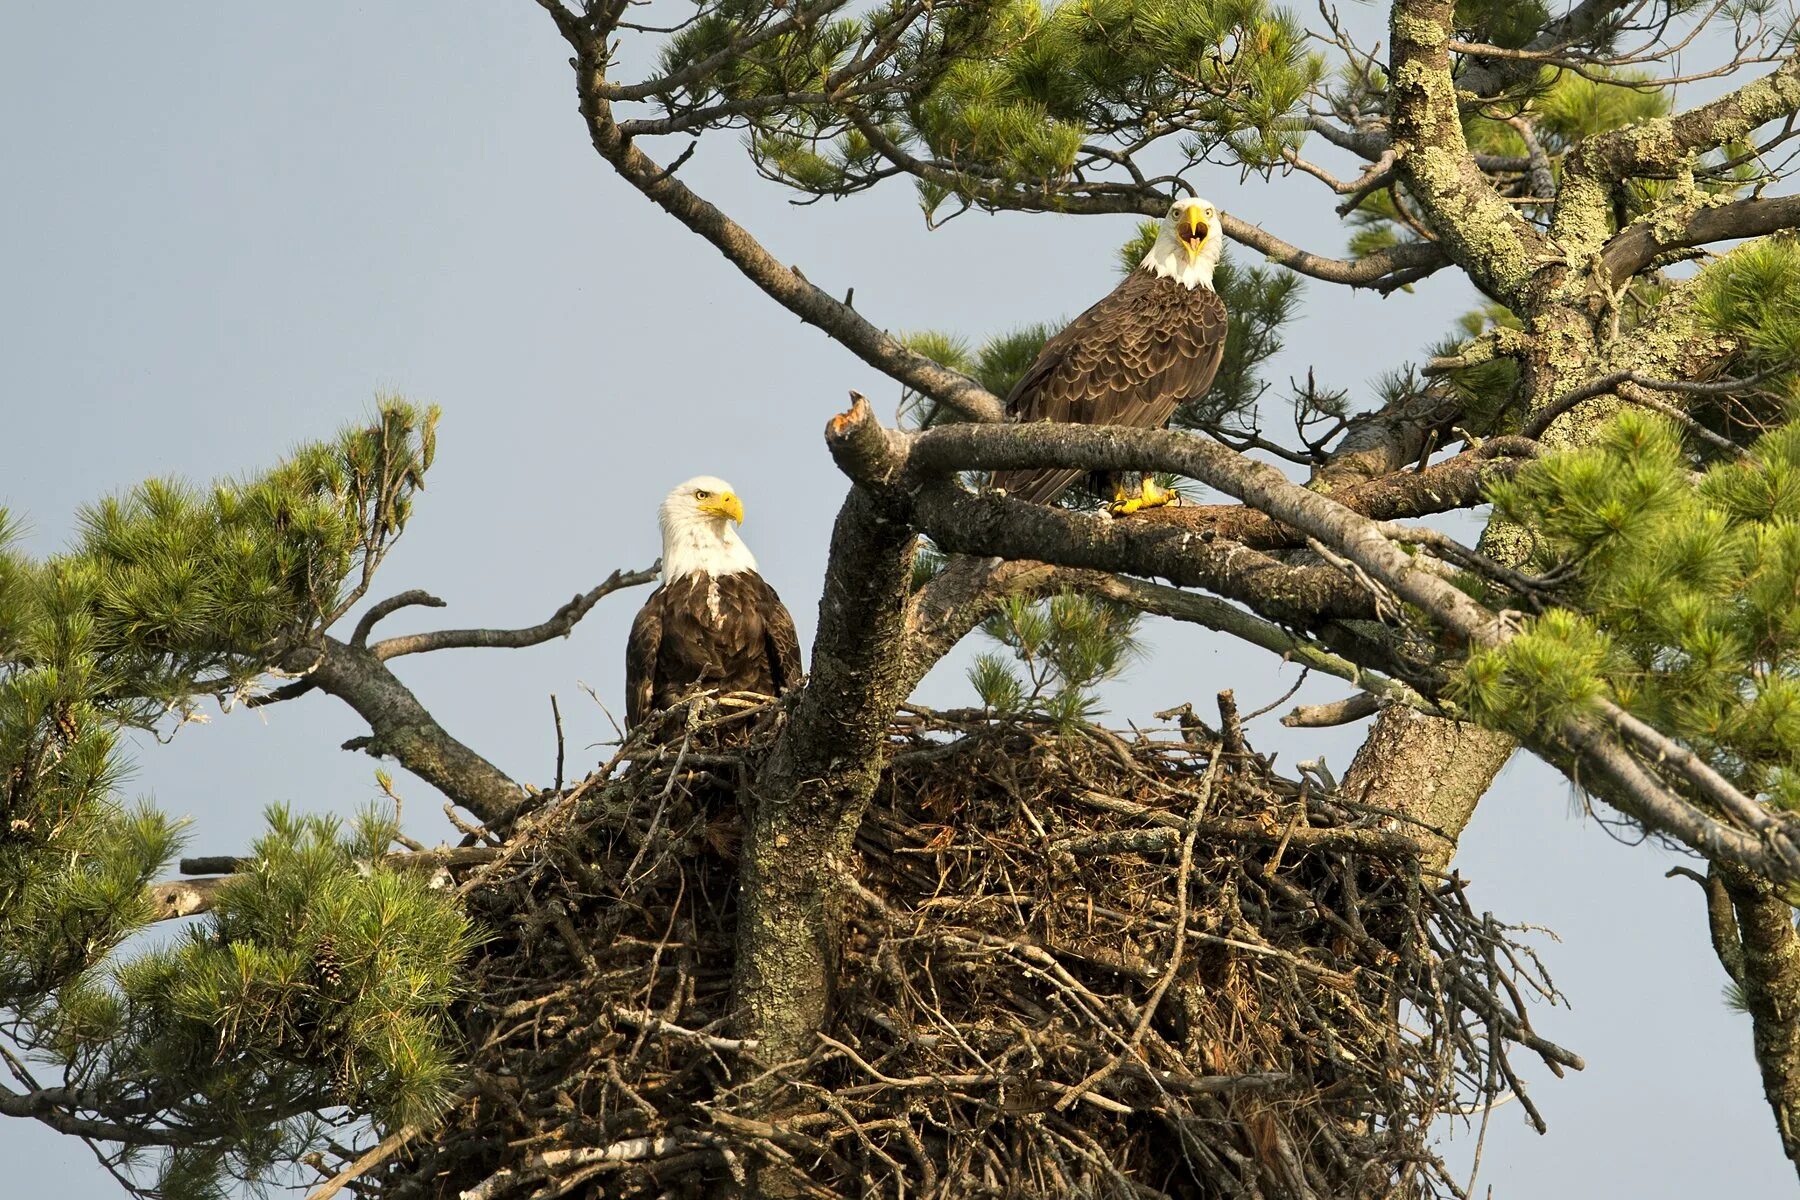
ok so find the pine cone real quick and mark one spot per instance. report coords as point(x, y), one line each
point(343, 1082)
point(326, 964)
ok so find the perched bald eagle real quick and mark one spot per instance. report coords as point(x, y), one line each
point(714, 623)
point(1133, 358)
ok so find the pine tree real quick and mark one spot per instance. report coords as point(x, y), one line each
point(1005, 951)
point(223, 1046)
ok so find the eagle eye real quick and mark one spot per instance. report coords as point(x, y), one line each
point(701, 493)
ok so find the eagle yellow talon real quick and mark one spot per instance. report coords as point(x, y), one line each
point(1149, 496)
point(1155, 497)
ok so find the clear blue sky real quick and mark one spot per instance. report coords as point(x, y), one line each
point(225, 227)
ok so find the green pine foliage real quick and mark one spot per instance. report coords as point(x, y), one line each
point(1753, 296)
point(320, 967)
point(1059, 651)
point(999, 95)
point(1685, 601)
point(169, 594)
point(1687, 609)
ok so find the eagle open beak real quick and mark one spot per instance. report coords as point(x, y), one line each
point(1193, 235)
point(726, 505)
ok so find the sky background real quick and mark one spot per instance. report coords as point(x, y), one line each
point(224, 229)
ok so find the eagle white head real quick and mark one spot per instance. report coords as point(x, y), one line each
point(1188, 245)
point(697, 536)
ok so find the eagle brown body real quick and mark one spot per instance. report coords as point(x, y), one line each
point(700, 632)
point(1150, 344)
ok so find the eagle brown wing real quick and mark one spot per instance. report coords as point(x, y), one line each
point(730, 633)
point(1131, 359)
point(780, 638)
point(641, 650)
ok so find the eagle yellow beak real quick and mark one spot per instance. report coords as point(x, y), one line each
point(724, 504)
point(1193, 232)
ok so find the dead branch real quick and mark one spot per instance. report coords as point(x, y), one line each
point(559, 624)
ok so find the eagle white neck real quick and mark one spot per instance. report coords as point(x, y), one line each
point(1169, 259)
point(699, 544)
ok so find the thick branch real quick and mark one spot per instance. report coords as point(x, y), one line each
point(942, 451)
point(810, 794)
point(990, 525)
point(1347, 711)
point(387, 608)
point(1645, 240)
point(950, 516)
point(560, 623)
point(1771, 990)
point(1455, 483)
point(57, 1107)
point(1478, 229)
point(403, 729)
point(1661, 148)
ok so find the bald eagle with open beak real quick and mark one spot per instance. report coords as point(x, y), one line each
point(1132, 359)
point(714, 623)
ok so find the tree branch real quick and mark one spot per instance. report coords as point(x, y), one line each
point(1488, 77)
point(810, 794)
point(1476, 227)
point(1457, 482)
point(56, 1107)
point(1771, 989)
point(386, 608)
point(1339, 712)
point(560, 623)
point(1648, 238)
point(786, 285)
point(401, 727)
point(1578, 744)
point(1721, 919)
point(1661, 148)
point(173, 899)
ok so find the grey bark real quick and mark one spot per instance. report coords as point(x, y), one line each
point(808, 799)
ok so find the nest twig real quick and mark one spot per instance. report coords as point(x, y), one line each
point(1074, 964)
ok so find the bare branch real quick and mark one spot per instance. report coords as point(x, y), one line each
point(1618, 383)
point(173, 899)
point(57, 1108)
point(560, 623)
point(1339, 712)
point(386, 608)
point(786, 285)
point(383, 1150)
point(1721, 919)
point(1648, 238)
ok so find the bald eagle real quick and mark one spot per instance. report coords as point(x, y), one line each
point(1133, 358)
point(714, 623)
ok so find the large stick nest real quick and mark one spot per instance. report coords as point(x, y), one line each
point(1075, 963)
